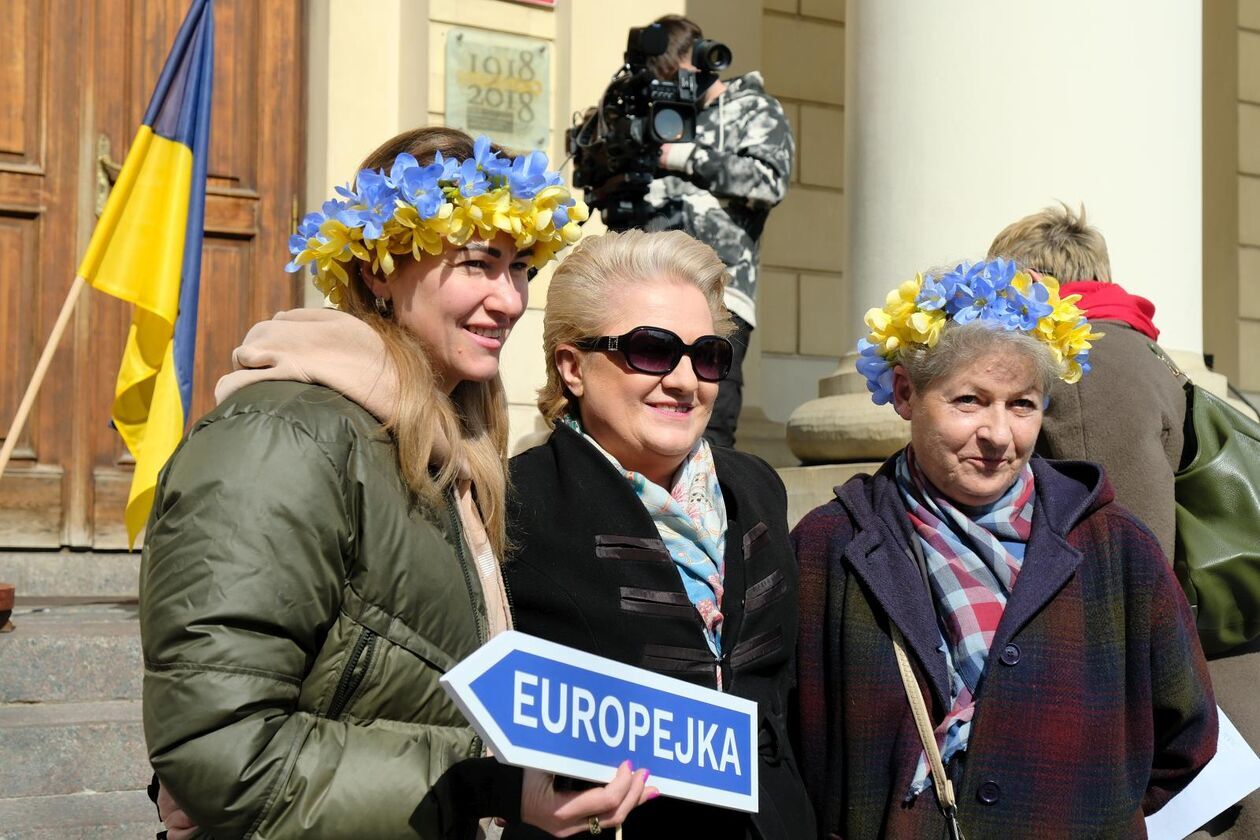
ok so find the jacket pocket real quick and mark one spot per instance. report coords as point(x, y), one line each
point(656, 602)
point(765, 591)
point(615, 547)
point(357, 666)
point(758, 647)
point(675, 661)
point(756, 537)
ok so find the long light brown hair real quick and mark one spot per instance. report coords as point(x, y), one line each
point(473, 419)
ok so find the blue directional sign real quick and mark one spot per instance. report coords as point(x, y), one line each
point(543, 705)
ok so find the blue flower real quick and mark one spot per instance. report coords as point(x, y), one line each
point(376, 203)
point(935, 294)
point(398, 171)
point(449, 166)
point(877, 371)
point(308, 227)
point(529, 176)
point(470, 179)
point(999, 272)
point(973, 301)
point(421, 187)
point(560, 217)
point(307, 230)
point(487, 160)
point(1025, 311)
point(979, 291)
point(340, 210)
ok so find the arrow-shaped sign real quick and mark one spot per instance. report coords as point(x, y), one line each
point(543, 705)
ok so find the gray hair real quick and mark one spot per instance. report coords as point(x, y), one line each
point(961, 343)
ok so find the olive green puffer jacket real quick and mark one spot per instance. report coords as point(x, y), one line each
point(297, 611)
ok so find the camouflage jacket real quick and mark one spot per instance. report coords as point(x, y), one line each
point(725, 183)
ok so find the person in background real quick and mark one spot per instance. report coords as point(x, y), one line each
point(308, 574)
point(1128, 415)
point(721, 188)
point(1038, 623)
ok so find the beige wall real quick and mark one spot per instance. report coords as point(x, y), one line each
point(1247, 302)
point(801, 300)
point(1221, 135)
point(1231, 183)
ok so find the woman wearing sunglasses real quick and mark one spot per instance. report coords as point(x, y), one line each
point(634, 539)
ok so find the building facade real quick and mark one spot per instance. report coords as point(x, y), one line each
point(921, 131)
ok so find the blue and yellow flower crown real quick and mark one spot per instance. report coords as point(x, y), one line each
point(993, 292)
point(418, 209)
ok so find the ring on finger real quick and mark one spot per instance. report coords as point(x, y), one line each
point(592, 825)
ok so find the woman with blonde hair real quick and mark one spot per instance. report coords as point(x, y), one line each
point(310, 573)
point(636, 540)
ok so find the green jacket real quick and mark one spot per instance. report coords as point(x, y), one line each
point(297, 610)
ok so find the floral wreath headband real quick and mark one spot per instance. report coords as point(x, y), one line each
point(995, 293)
point(417, 209)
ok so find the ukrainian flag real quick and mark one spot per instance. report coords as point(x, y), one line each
point(146, 250)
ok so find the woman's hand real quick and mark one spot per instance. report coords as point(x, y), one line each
point(179, 826)
point(565, 813)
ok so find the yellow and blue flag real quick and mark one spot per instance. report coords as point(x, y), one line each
point(146, 250)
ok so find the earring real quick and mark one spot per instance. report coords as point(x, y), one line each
point(384, 307)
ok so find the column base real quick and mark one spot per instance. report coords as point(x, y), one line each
point(1193, 366)
point(843, 425)
point(758, 435)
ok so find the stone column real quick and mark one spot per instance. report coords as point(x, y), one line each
point(962, 117)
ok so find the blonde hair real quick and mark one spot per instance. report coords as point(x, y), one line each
point(473, 419)
point(1056, 241)
point(585, 284)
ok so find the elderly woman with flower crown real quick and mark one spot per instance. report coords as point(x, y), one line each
point(989, 645)
point(310, 573)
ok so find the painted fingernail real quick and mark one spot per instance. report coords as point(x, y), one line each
point(630, 765)
point(654, 794)
point(646, 773)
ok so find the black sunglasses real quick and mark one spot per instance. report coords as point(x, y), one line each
point(658, 351)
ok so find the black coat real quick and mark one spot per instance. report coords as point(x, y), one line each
point(589, 570)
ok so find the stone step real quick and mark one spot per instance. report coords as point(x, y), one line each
point(98, 574)
point(71, 653)
point(123, 815)
point(66, 748)
point(809, 487)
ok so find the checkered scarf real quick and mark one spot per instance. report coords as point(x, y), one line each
point(973, 556)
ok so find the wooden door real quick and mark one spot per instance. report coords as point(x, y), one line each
point(84, 71)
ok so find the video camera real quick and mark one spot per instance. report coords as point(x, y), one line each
point(615, 146)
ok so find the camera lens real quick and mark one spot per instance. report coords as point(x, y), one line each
point(668, 125)
point(711, 55)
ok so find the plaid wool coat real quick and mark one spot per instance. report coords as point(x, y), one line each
point(1095, 706)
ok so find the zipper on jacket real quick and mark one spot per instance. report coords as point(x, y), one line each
point(352, 676)
point(458, 531)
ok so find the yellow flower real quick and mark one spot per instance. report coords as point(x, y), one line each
point(900, 321)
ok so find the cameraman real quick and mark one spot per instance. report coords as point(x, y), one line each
point(720, 190)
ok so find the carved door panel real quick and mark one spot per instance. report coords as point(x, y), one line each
point(88, 68)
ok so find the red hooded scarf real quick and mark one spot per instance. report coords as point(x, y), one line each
point(1110, 302)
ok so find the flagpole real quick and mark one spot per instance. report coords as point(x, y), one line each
point(41, 369)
